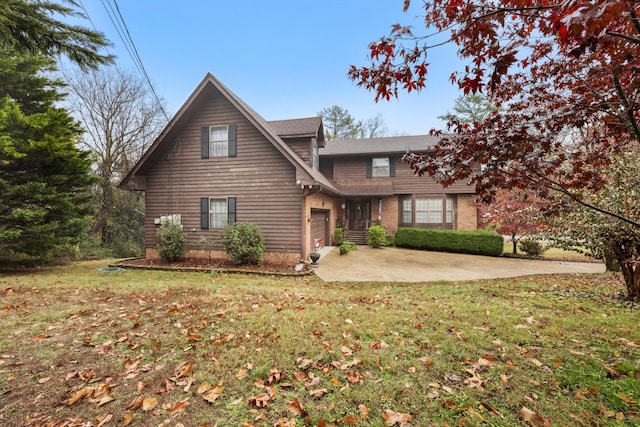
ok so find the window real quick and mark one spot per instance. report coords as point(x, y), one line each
point(315, 157)
point(216, 213)
point(407, 214)
point(380, 167)
point(429, 211)
point(449, 210)
point(218, 141)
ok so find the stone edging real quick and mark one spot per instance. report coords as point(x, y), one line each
point(207, 270)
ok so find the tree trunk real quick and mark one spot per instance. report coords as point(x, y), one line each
point(627, 253)
point(515, 243)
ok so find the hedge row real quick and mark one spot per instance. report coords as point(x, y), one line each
point(477, 242)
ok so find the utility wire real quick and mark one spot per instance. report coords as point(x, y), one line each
point(123, 32)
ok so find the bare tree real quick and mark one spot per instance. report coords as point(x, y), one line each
point(121, 118)
point(374, 127)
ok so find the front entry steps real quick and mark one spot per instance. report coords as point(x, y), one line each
point(359, 237)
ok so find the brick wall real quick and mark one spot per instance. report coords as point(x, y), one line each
point(467, 212)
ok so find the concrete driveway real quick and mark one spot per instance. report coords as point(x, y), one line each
point(403, 265)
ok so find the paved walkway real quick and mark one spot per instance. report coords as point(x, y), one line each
point(403, 265)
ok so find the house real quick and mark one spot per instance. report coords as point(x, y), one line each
point(219, 162)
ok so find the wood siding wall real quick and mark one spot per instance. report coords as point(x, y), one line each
point(405, 182)
point(260, 178)
point(302, 147)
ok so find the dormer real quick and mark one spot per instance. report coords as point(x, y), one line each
point(304, 136)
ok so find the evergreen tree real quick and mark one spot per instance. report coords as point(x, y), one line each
point(44, 178)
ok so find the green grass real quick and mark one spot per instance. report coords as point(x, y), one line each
point(466, 353)
point(553, 254)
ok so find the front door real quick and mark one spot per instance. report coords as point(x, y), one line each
point(359, 213)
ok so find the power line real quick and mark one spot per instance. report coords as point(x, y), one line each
point(123, 32)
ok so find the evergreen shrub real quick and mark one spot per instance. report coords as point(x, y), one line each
point(476, 242)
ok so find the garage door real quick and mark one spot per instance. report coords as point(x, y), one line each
point(319, 226)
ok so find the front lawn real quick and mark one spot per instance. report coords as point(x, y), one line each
point(149, 348)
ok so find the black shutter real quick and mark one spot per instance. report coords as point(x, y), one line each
point(369, 167)
point(204, 138)
point(233, 141)
point(392, 166)
point(231, 210)
point(204, 213)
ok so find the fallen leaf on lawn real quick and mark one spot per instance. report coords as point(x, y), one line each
point(180, 406)
point(148, 403)
point(453, 377)
point(260, 401)
point(104, 419)
point(536, 362)
point(183, 369)
point(204, 387)
point(351, 419)
point(104, 400)
point(379, 345)
point(354, 377)
point(335, 382)
point(295, 407)
point(80, 394)
point(285, 422)
point(532, 418)
point(44, 380)
point(212, 394)
point(275, 376)
point(364, 411)
point(126, 420)
point(242, 373)
point(349, 321)
point(450, 404)
point(433, 394)
point(136, 404)
point(193, 337)
point(303, 363)
point(484, 362)
point(317, 394)
point(392, 418)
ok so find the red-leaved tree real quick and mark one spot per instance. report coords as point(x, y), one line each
point(515, 213)
point(555, 69)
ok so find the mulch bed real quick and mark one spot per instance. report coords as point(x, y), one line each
point(219, 265)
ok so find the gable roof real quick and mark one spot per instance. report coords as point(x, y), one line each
point(309, 127)
point(385, 145)
point(305, 174)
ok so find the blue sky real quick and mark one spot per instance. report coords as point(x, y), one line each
point(285, 58)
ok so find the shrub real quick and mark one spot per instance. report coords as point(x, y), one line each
point(476, 242)
point(172, 242)
point(376, 237)
point(347, 247)
point(531, 247)
point(390, 241)
point(244, 243)
point(338, 236)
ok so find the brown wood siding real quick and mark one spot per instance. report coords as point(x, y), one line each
point(405, 182)
point(302, 147)
point(260, 178)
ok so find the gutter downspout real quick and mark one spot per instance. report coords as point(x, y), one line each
point(303, 225)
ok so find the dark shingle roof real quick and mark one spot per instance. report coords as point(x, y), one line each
point(306, 127)
point(393, 144)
